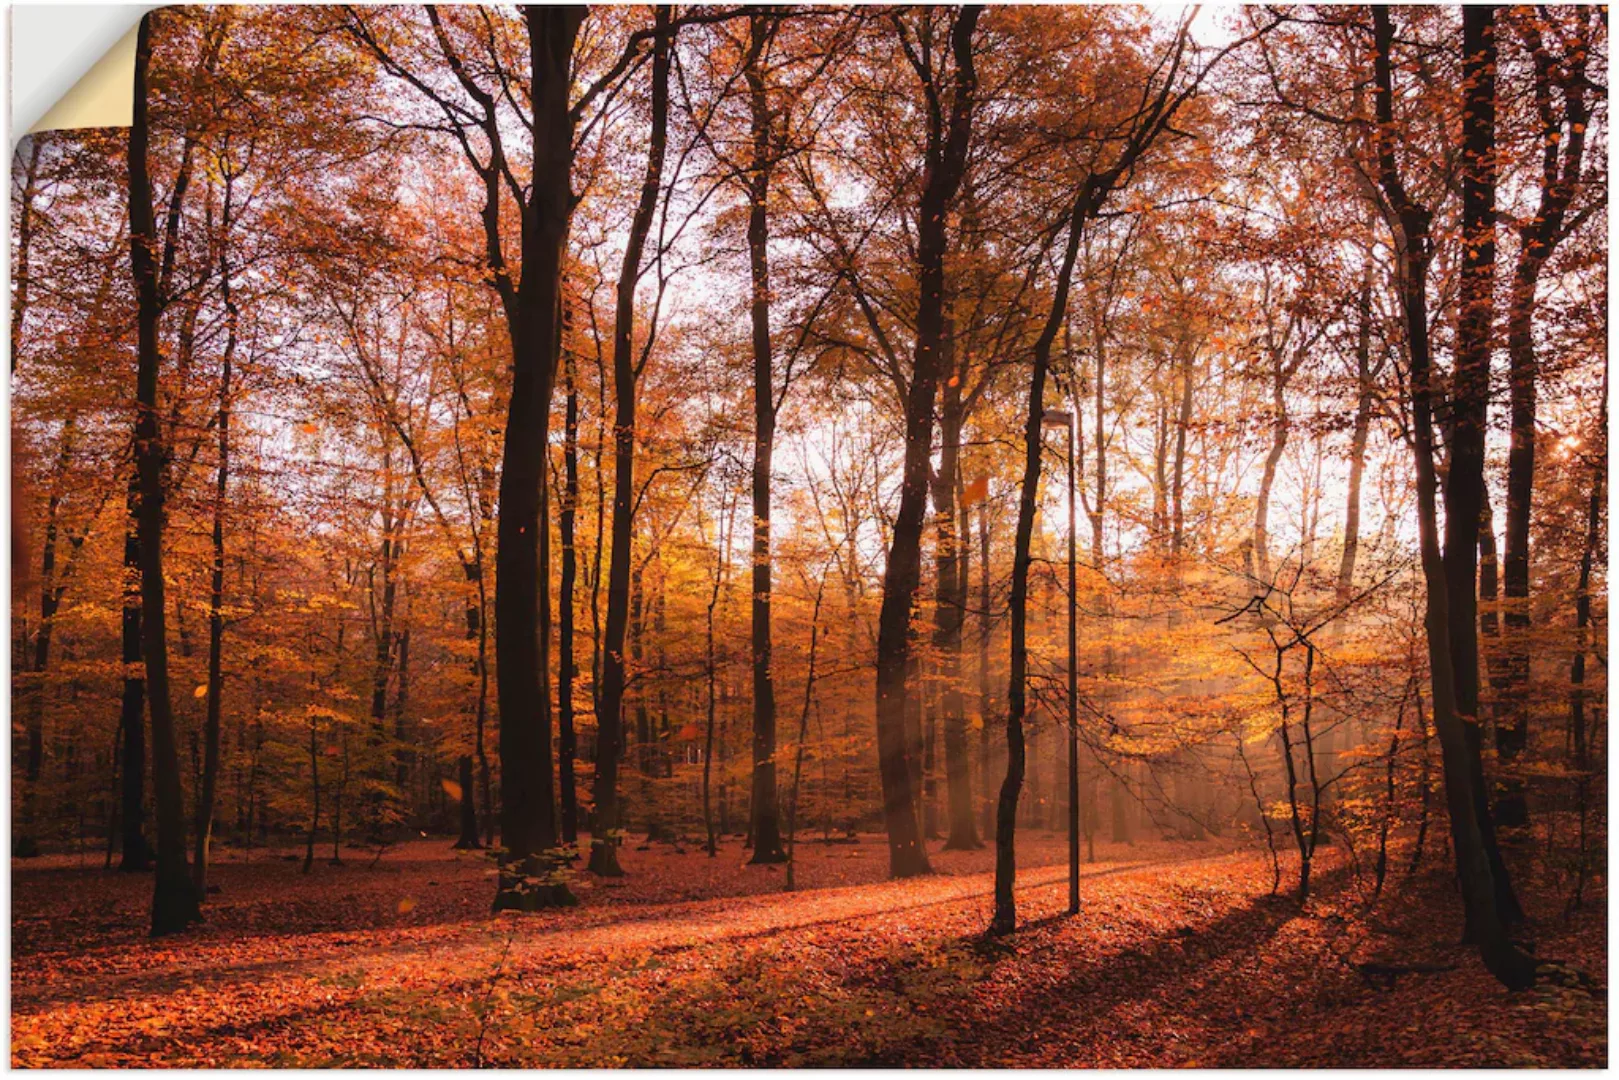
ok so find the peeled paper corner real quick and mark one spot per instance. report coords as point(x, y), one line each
point(72, 66)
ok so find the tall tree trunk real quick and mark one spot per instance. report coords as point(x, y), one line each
point(626, 371)
point(765, 823)
point(568, 673)
point(1177, 482)
point(1412, 247)
point(216, 587)
point(711, 673)
point(1004, 920)
point(950, 606)
point(24, 843)
point(1538, 238)
point(1364, 401)
point(174, 899)
point(522, 559)
point(136, 853)
point(986, 627)
point(1280, 428)
point(1578, 734)
point(946, 161)
point(1469, 403)
point(22, 252)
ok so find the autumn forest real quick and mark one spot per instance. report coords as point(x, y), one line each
point(1056, 536)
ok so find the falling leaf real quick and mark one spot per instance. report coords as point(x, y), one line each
point(451, 788)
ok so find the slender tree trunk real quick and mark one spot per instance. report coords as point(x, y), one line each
point(986, 699)
point(24, 843)
point(1280, 428)
point(803, 736)
point(1538, 238)
point(1469, 401)
point(1578, 733)
point(1004, 920)
point(1364, 401)
point(950, 606)
point(24, 243)
point(1177, 484)
point(136, 854)
point(609, 718)
point(1412, 247)
point(568, 675)
point(174, 899)
point(314, 797)
point(946, 161)
point(216, 588)
point(764, 825)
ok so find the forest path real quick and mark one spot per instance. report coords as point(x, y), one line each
point(1179, 957)
point(577, 935)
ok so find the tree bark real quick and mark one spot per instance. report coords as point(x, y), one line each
point(174, 899)
point(528, 823)
point(765, 825)
point(1364, 401)
point(1578, 734)
point(946, 161)
point(568, 675)
point(1469, 403)
point(950, 606)
point(609, 714)
point(1537, 240)
point(136, 854)
point(1413, 248)
point(216, 585)
point(1004, 920)
point(23, 251)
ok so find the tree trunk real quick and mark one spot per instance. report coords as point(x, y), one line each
point(1364, 401)
point(216, 587)
point(522, 559)
point(946, 161)
point(136, 852)
point(25, 844)
point(174, 900)
point(1538, 238)
point(1177, 483)
point(1578, 734)
point(1004, 920)
point(609, 713)
point(1412, 247)
point(950, 606)
point(1469, 403)
point(986, 700)
point(568, 673)
point(1280, 427)
point(23, 250)
point(764, 825)
point(314, 798)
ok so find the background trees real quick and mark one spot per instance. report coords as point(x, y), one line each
point(832, 265)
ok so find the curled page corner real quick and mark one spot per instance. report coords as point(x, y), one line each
point(72, 66)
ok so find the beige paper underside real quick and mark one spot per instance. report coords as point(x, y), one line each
point(104, 97)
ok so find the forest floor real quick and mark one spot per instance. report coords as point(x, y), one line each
point(1180, 958)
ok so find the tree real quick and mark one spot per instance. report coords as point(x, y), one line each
point(945, 161)
point(1410, 224)
point(765, 827)
point(627, 369)
point(1562, 140)
point(174, 898)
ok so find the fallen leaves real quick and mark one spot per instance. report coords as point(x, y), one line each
point(1177, 957)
